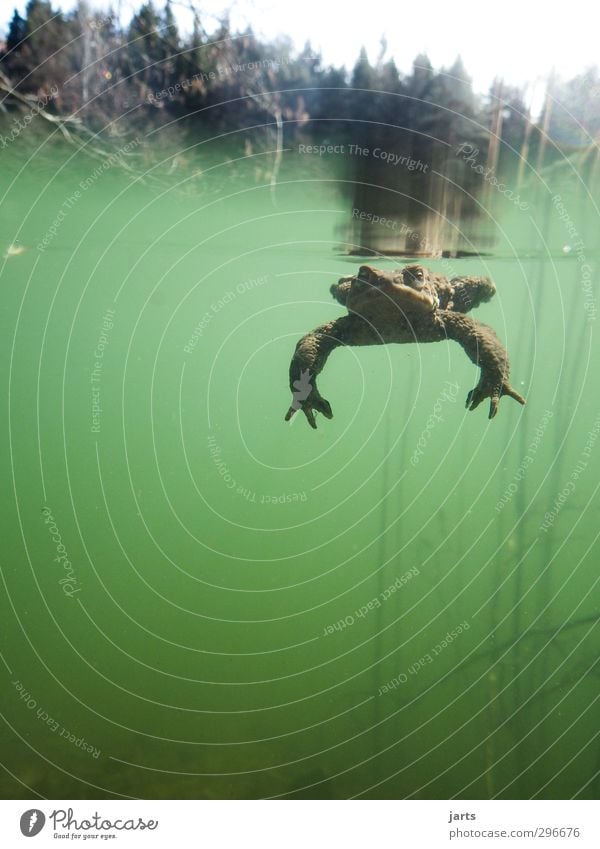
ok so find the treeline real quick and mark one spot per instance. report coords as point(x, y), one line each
point(85, 64)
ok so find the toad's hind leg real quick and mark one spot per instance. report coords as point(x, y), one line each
point(483, 348)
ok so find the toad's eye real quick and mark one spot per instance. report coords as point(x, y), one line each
point(420, 274)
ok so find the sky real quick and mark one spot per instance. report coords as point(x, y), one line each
point(520, 40)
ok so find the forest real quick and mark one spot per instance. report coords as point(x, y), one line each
point(83, 66)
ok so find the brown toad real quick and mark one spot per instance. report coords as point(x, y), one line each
point(407, 305)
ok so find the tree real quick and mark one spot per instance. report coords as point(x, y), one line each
point(17, 32)
point(11, 61)
point(44, 57)
point(146, 50)
point(575, 113)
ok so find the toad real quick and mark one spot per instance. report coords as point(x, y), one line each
point(411, 304)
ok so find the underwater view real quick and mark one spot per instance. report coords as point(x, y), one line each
point(204, 600)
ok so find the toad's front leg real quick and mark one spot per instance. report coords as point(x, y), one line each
point(310, 357)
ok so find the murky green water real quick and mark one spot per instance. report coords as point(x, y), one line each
point(201, 601)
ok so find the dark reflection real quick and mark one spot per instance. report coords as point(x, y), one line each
point(403, 205)
point(423, 161)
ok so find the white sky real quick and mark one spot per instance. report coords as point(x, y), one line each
point(520, 40)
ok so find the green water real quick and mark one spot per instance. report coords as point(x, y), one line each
point(190, 650)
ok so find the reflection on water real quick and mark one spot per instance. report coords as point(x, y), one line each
point(405, 206)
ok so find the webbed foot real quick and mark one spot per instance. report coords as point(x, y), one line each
point(493, 391)
point(309, 406)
